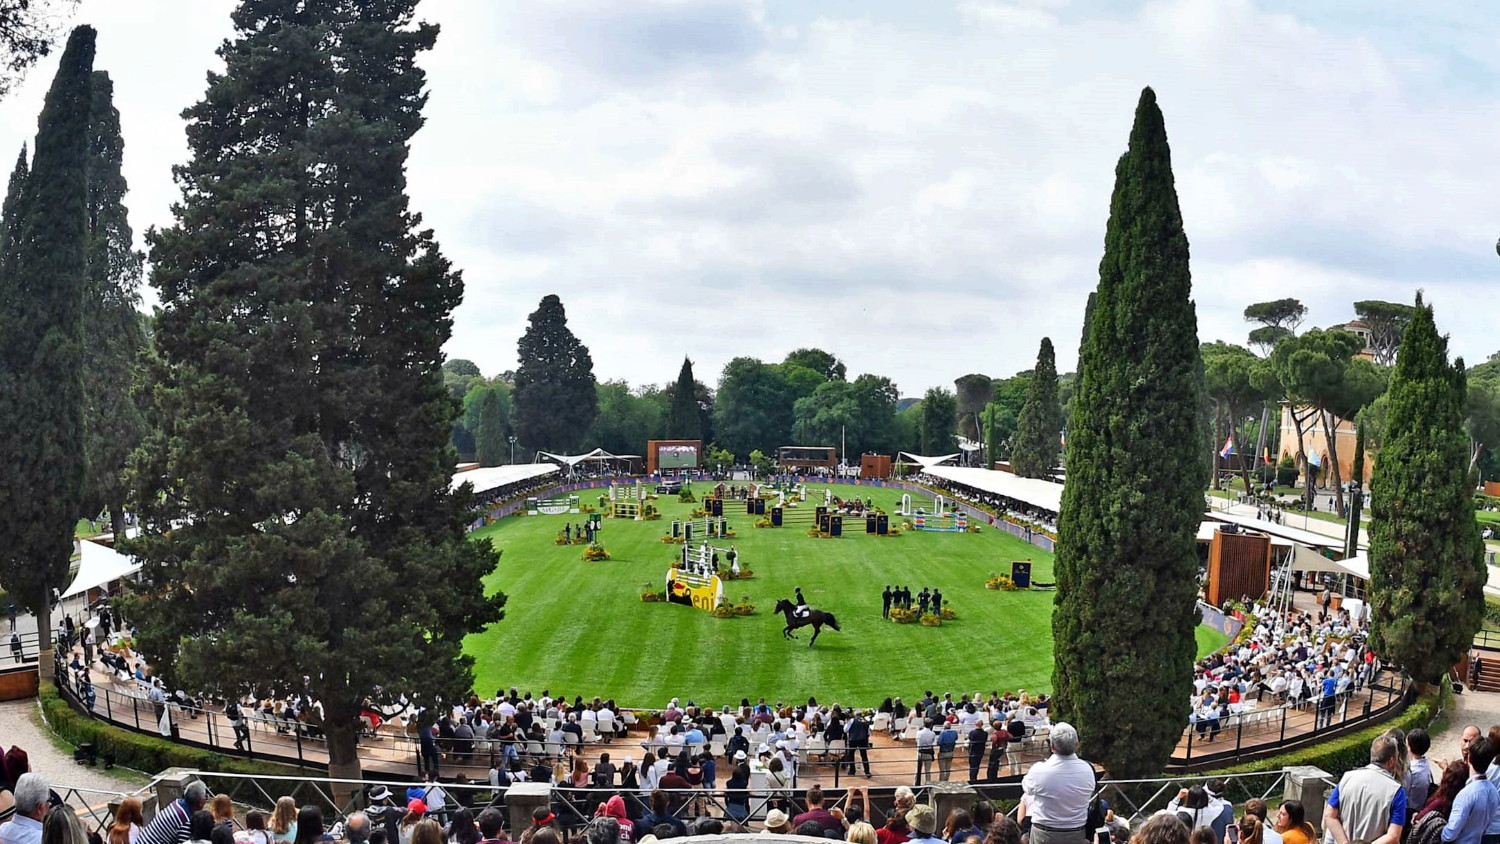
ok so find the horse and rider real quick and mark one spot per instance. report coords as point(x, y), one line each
point(799, 614)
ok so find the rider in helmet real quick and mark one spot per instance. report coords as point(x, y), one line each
point(802, 609)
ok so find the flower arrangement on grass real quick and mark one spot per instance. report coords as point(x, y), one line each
point(744, 607)
point(1001, 582)
point(974, 528)
point(728, 574)
point(595, 553)
point(651, 595)
point(814, 533)
point(673, 540)
point(763, 523)
point(930, 620)
point(649, 513)
point(586, 509)
point(947, 613)
point(902, 615)
point(724, 609)
point(686, 497)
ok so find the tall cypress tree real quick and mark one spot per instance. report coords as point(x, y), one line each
point(1126, 566)
point(489, 433)
point(111, 315)
point(13, 214)
point(298, 521)
point(41, 348)
point(683, 420)
point(1427, 570)
point(555, 399)
point(1040, 424)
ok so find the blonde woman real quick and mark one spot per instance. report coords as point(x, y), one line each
point(427, 831)
point(284, 821)
point(861, 833)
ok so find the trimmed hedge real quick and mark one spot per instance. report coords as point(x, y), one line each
point(138, 751)
point(1352, 751)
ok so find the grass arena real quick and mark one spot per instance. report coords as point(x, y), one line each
point(581, 628)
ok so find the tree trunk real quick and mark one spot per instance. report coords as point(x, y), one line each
point(1239, 449)
point(1218, 458)
point(117, 520)
point(1300, 424)
point(45, 669)
point(343, 756)
point(1334, 474)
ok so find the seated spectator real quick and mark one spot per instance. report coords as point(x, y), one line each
point(661, 813)
point(492, 826)
point(357, 828)
point(201, 827)
point(284, 820)
point(923, 822)
point(1256, 808)
point(830, 825)
point(1291, 823)
point(1161, 829)
point(777, 823)
point(614, 808)
point(61, 826)
point(172, 821)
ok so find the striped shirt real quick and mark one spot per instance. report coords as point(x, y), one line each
point(170, 826)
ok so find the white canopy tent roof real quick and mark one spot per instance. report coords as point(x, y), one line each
point(98, 565)
point(495, 477)
point(1298, 536)
point(927, 462)
point(1034, 492)
point(571, 460)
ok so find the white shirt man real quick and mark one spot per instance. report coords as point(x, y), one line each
point(1057, 791)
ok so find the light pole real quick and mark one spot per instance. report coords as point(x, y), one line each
point(512, 439)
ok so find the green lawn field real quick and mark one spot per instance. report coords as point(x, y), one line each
point(581, 628)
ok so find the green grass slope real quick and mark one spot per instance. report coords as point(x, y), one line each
point(581, 628)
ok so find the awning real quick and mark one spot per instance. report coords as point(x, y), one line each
point(571, 460)
point(494, 477)
point(1034, 492)
point(99, 565)
point(1306, 559)
point(927, 462)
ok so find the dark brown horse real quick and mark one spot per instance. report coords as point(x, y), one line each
point(815, 618)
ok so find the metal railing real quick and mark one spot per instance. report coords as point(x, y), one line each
point(26, 655)
point(1488, 640)
point(1261, 732)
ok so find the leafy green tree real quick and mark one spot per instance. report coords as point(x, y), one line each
point(1039, 428)
point(627, 418)
point(462, 367)
point(490, 437)
point(875, 396)
point(113, 423)
point(1482, 420)
point(1126, 559)
point(42, 460)
point(753, 405)
point(939, 421)
point(1238, 383)
point(1323, 380)
point(683, 419)
point(1003, 413)
point(298, 529)
point(1387, 322)
point(1427, 570)
point(1285, 314)
point(973, 392)
point(820, 418)
point(819, 361)
point(555, 399)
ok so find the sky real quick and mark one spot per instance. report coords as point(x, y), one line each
point(920, 187)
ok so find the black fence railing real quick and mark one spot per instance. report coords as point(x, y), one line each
point(19, 649)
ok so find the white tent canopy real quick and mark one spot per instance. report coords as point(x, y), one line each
point(98, 565)
point(571, 460)
point(1045, 495)
point(929, 462)
point(495, 477)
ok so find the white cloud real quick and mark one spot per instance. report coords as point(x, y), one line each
point(923, 194)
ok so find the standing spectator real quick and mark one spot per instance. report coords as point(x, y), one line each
point(492, 826)
point(737, 793)
point(1418, 769)
point(947, 743)
point(61, 826)
point(25, 826)
point(857, 738)
point(1291, 823)
point(15, 646)
point(172, 821)
point(357, 828)
point(1440, 802)
point(999, 749)
point(255, 831)
point(978, 739)
point(1057, 791)
point(923, 822)
point(284, 820)
point(831, 825)
point(926, 749)
point(1476, 810)
point(223, 810)
point(128, 822)
point(201, 827)
point(1368, 805)
point(1256, 808)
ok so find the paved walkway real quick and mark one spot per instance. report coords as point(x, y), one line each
point(20, 725)
point(1482, 709)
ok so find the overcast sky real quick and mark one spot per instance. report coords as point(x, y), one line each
point(919, 186)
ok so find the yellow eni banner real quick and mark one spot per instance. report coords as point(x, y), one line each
point(694, 590)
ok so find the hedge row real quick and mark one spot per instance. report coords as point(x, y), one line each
point(138, 751)
point(1353, 750)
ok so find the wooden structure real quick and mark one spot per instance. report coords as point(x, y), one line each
point(874, 465)
point(1239, 565)
point(807, 456)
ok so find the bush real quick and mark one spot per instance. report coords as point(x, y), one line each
point(930, 620)
point(687, 497)
point(595, 553)
point(139, 751)
point(1001, 582)
point(902, 615)
point(1286, 471)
